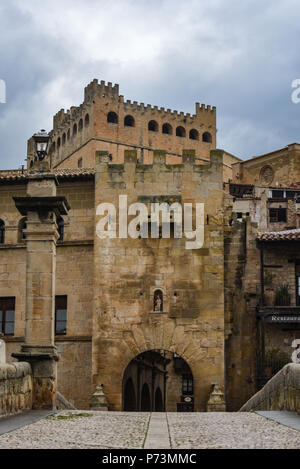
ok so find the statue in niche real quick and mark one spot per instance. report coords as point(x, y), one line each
point(158, 301)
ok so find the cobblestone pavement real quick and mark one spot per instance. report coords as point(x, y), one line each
point(229, 430)
point(109, 430)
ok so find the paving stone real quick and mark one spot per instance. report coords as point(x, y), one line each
point(109, 430)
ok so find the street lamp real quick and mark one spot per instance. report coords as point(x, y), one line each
point(42, 140)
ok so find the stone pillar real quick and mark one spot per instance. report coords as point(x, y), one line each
point(41, 206)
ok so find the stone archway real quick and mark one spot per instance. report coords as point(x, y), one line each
point(156, 381)
point(113, 355)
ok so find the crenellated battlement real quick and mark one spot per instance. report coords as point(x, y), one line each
point(111, 92)
point(104, 164)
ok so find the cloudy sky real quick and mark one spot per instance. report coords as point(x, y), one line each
point(240, 56)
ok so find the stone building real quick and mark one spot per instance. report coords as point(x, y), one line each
point(266, 195)
point(156, 324)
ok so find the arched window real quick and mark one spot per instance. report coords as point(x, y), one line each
point(180, 132)
point(87, 120)
point(21, 228)
point(129, 121)
point(58, 143)
point(2, 232)
point(31, 163)
point(60, 228)
point(158, 303)
point(112, 118)
point(69, 134)
point(74, 130)
point(167, 129)
point(153, 126)
point(79, 163)
point(194, 134)
point(206, 137)
point(64, 139)
point(80, 126)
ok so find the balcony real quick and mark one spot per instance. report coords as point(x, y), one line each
point(279, 314)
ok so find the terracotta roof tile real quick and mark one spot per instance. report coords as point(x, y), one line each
point(19, 175)
point(287, 235)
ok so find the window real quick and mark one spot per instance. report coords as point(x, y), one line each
point(80, 163)
point(60, 228)
point(167, 129)
point(153, 126)
point(187, 385)
point(64, 138)
point(7, 316)
point(58, 143)
point(129, 121)
point(2, 232)
point(277, 194)
point(180, 132)
point(61, 315)
point(206, 137)
point(112, 118)
point(80, 126)
point(278, 215)
point(21, 228)
point(74, 130)
point(87, 120)
point(194, 134)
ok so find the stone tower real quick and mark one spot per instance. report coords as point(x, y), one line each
point(128, 272)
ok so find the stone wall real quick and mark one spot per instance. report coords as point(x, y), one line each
point(15, 388)
point(282, 392)
point(241, 288)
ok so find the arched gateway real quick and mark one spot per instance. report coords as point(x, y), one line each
point(158, 381)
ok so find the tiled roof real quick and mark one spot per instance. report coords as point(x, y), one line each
point(19, 175)
point(12, 175)
point(287, 235)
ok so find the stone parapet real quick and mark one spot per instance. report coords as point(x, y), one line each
point(15, 388)
point(282, 392)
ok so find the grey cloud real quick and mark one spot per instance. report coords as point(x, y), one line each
point(239, 56)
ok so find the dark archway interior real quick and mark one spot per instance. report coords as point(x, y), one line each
point(158, 381)
point(145, 399)
point(129, 396)
point(159, 406)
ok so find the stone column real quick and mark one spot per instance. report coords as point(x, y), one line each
point(41, 206)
